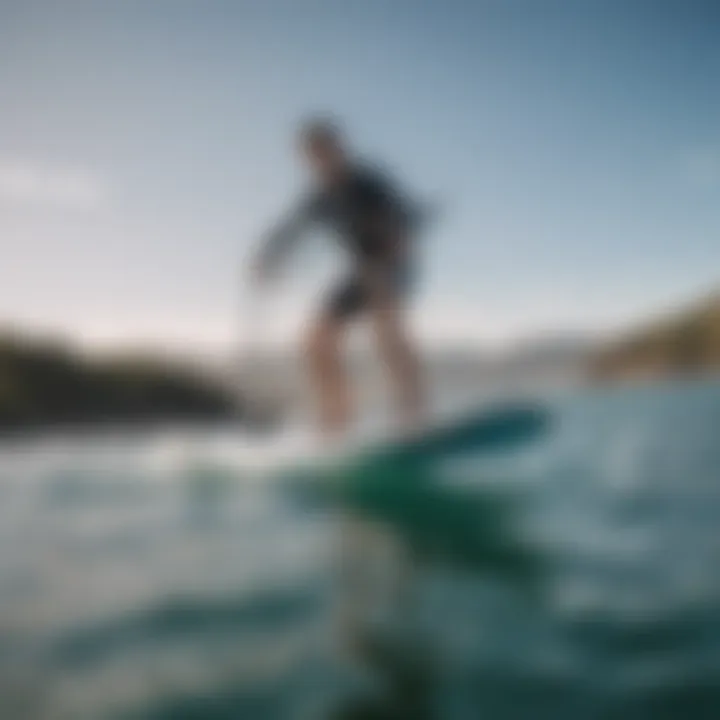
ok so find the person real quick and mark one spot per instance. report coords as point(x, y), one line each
point(376, 225)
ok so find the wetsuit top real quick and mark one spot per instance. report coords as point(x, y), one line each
point(365, 211)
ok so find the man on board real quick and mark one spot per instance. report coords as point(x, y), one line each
point(376, 226)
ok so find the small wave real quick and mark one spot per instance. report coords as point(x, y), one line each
point(179, 618)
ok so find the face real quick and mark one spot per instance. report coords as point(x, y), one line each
point(325, 157)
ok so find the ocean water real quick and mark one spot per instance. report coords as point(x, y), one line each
point(175, 576)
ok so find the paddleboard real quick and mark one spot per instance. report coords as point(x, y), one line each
point(401, 483)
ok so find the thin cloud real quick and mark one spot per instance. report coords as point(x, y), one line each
point(24, 182)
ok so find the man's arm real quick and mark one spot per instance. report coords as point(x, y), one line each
point(276, 244)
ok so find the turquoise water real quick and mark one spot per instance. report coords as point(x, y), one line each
point(168, 577)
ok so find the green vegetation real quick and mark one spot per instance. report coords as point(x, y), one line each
point(44, 383)
point(686, 344)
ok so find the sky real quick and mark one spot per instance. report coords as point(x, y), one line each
point(145, 145)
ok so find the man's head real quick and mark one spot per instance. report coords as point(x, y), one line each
point(323, 146)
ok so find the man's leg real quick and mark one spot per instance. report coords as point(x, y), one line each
point(328, 373)
point(400, 358)
point(324, 353)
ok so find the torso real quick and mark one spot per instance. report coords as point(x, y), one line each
point(354, 210)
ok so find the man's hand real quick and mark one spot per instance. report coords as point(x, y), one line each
point(261, 270)
point(258, 272)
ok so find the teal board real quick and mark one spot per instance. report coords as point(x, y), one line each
point(400, 483)
point(484, 431)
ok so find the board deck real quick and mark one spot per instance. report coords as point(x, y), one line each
point(500, 429)
point(482, 433)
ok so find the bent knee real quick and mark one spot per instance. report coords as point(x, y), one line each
point(322, 341)
point(389, 327)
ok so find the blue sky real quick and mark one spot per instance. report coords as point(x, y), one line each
point(145, 144)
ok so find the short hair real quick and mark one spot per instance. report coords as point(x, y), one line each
point(320, 130)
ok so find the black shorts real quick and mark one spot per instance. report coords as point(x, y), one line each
point(351, 296)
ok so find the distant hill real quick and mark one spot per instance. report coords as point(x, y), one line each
point(688, 343)
point(44, 384)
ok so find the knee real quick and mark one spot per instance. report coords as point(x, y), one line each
point(390, 333)
point(321, 343)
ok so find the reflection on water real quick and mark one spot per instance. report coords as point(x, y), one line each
point(168, 577)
